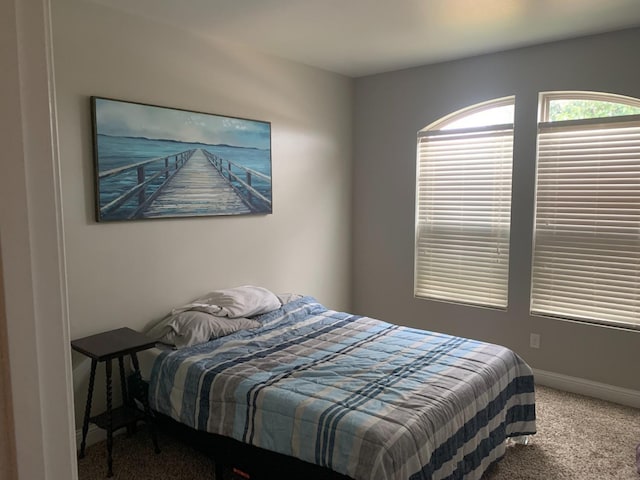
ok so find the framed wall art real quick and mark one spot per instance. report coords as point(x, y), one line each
point(160, 162)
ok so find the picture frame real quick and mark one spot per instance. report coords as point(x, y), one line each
point(155, 162)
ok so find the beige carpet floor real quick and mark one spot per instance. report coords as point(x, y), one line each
point(579, 438)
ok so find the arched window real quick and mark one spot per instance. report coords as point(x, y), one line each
point(586, 258)
point(463, 205)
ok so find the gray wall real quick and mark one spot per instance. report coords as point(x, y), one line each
point(130, 273)
point(390, 108)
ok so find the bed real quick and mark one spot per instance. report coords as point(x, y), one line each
point(360, 397)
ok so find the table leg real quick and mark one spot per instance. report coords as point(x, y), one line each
point(87, 408)
point(219, 470)
point(145, 401)
point(109, 422)
point(123, 383)
point(126, 400)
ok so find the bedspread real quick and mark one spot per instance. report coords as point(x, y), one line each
point(363, 397)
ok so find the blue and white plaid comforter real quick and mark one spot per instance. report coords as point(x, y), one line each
point(365, 398)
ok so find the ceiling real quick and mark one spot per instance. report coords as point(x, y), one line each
point(363, 37)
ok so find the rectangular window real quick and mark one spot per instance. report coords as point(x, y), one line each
point(586, 259)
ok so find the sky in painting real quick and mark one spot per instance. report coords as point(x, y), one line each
point(122, 119)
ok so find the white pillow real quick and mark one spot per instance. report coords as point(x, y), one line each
point(245, 301)
point(193, 327)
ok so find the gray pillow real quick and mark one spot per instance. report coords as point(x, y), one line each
point(192, 328)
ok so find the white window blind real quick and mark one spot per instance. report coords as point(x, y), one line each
point(586, 259)
point(463, 214)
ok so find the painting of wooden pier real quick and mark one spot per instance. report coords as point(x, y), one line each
point(159, 162)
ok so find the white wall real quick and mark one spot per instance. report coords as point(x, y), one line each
point(129, 273)
point(391, 108)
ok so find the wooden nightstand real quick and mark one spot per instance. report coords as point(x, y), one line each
point(104, 347)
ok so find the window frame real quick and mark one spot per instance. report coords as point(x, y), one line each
point(545, 99)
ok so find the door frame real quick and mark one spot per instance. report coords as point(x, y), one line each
point(33, 258)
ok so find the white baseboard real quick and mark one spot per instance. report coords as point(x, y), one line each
point(603, 391)
point(95, 434)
